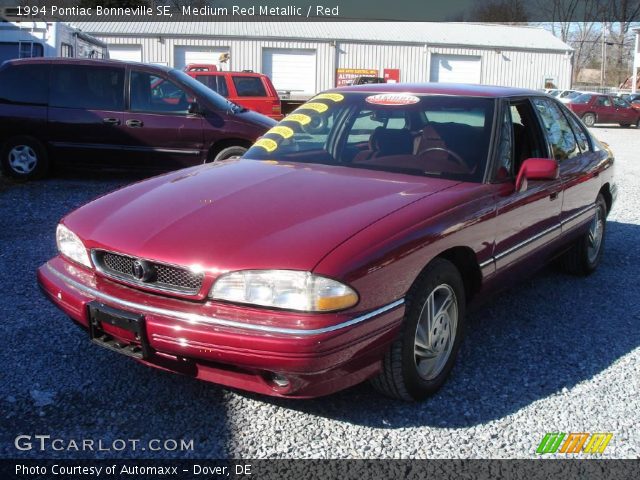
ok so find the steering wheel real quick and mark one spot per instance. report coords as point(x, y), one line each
point(451, 153)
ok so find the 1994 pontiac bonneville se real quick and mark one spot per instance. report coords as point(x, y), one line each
point(345, 245)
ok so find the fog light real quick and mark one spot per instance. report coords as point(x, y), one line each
point(280, 380)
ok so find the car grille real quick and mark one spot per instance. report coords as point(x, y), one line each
point(161, 277)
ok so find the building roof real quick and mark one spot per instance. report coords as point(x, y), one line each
point(463, 34)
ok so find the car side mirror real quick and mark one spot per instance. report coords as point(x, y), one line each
point(536, 169)
point(194, 109)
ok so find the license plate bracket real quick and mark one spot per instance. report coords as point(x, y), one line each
point(101, 314)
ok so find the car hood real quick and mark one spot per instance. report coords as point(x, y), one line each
point(242, 214)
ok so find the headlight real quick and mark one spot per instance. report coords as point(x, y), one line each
point(71, 246)
point(289, 289)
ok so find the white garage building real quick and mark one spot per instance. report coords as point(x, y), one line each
point(305, 58)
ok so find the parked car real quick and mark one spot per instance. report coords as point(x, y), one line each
point(251, 90)
point(97, 112)
point(340, 249)
point(599, 108)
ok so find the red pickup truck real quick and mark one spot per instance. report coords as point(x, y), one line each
point(248, 89)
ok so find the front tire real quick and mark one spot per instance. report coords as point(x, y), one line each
point(421, 358)
point(229, 152)
point(24, 158)
point(589, 119)
point(585, 255)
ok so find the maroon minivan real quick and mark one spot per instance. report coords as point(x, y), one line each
point(102, 112)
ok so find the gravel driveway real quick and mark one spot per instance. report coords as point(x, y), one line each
point(556, 353)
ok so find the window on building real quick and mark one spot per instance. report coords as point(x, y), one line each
point(66, 50)
point(30, 50)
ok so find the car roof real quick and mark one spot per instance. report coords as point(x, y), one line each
point(442, 89)
point(82, 61)
point(227, 72)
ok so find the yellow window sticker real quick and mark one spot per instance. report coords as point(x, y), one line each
point(317, 107)
point(266, 143)
point(284, 132)
point(335, 97)
point(298, 117)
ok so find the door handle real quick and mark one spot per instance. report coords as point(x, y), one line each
point(111, 121)
point(134, 123)
point(553, 196)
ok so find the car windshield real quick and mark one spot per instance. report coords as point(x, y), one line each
point(426, 135)
point(584, 98)
point(217, 100)
point(573, 95)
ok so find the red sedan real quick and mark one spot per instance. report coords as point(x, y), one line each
point(346, 245)
point(595, 108)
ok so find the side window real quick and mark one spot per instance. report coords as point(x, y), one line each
point(151, 93)
point(621, 102)
point(579, 131)
point(504, 167)
point(217, 83)
point(603, 102)
point(87, 87)
point(15, 90)
point(559, 133)
point(249, 86)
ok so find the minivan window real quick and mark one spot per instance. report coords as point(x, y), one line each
point(249, 86)
point(217, 83)
point(215, 99)
point(87, 87)
point(24, 84)
point(151, 93)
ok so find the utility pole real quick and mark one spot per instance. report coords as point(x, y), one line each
point(636, 62)
point(603, 67)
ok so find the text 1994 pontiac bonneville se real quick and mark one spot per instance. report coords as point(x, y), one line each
point(345, 245)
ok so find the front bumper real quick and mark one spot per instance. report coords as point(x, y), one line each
point(235, 346)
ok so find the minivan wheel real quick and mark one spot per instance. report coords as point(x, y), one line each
point(229, 152)
point(585, 254)
point(421, 358)
point(589, 119)
point(24, 158)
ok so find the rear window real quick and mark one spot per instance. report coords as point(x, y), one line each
point(87, 87)
point(217, 83)
point(249, 86)
point(24, 84)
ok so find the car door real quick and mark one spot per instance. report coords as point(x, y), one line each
point(527, 221)
point(577, 165)
point(86, 104)
point(625, 115)
point(160, 130)
point(579, 171)
point(604, 109)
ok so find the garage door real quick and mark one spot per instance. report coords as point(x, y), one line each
point(128, 53)
point(455, 68)
point(291, 69)
point(184, 55)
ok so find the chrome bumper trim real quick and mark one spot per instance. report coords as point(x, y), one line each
point(194, 318)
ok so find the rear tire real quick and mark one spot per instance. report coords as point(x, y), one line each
point(229, 152)
point(589, 119)
point(24, 158)
point(625, 125)
point(585, 254)
point(421, 358)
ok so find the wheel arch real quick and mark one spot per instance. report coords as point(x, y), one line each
point(225, 143)
point(605, 190)
point(465, 260)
